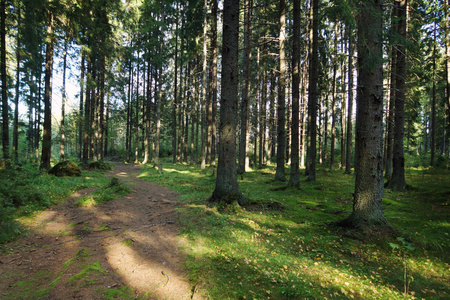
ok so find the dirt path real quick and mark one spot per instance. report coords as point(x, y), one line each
point(127, 248)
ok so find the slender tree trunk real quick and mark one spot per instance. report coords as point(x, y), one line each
point(148, 99)
point(81, 113)
point(390, 117)
point(433, 103)
point(106, 125)
point(245, 103)
point(343, 103)
point(281, 104)
point(227, 188)
point(447, 59)
point(398, 181)
point(16, 102)
point(213, 31)
point(294, 179)
point(63, 105)
point(47, 136)
point(334, 100)
point(128, 125)
point(175, 94)
point(204, 85)
point(158, 118)
point(367, 215)
point(101, 108)
point(312, 92)
point(5, 106)
point(348, 155)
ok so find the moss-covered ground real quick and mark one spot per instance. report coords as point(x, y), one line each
point(284, 246)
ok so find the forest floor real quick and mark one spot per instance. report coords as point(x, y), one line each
point(126, 248)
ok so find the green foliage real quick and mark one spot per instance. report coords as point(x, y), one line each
point(100, 166)
point(113, 190)
point(290, 250)
point(26, 190)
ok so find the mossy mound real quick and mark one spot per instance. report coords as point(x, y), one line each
point(100, 166)
point(66, 168)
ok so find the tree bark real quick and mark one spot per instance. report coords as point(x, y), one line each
point(47, 135)
point(334, 99)
point(447, 59)
point(398, 181)
point(245, 103)
point(227, 188)
point(294, 178)
point(5, 106)
point(281, 103)
point(16, 101)
point(312, 93)
point(204, 85)
point(367, 215)
point(63, 105)
point(349, 144)
point(213, 82)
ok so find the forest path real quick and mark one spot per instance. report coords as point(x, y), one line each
point(127, 248)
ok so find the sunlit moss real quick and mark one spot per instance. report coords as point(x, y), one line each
point(294, 253)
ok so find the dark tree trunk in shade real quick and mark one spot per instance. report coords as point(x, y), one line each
point(281, 104)
point(243, 163)
point(4, 82)
point(47, 136)
point(398, 181)
point(312, 94)
point(349, 144)
point(294, 179)
point(227, 188)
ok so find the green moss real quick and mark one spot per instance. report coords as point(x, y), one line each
point(282, 246)
point(92, 269)
point(66, 168)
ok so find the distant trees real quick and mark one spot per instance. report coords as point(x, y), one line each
point(148, 83)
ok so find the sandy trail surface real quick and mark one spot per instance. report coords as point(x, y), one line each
point(127, 248)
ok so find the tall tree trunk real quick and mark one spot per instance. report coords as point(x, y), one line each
point(106, 125)
point(433, 103)
point(128, 105)
point(227, 188)
point(281, 103)
point(16, 101)
point(367, 214)
point(81, 112)
point(398, 181)
point(348, 154)
point(175, 94)
point(213, 70)
point(334, 99)
point(294, 179)
point(312, 92)
point(101, 107)
point(47, 136)
point(343, 102)
point(447, 58)
point(245, 103)
point(148, 99)
point(136, 120)
point(63, 105)
point(204, 85)
point(5, 106)
point(390, 117)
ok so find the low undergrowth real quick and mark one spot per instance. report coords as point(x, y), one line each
point(25, 190)
point(109, 192)
point(282, 246)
